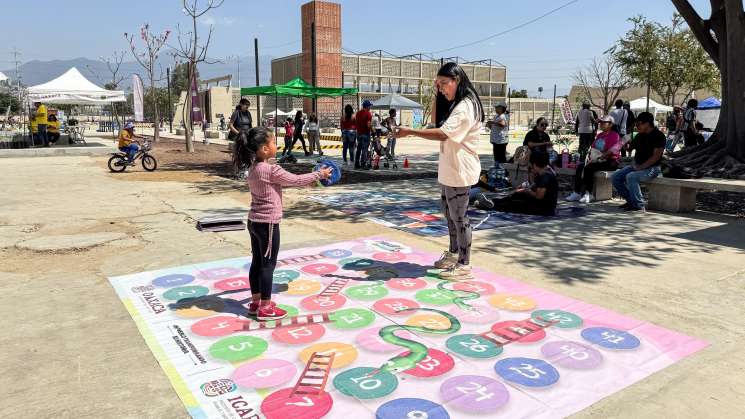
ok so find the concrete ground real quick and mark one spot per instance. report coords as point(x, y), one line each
point(71, 350)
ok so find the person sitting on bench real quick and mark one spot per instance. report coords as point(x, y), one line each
point(648, 144)
point(539, 199)
point(603, 156)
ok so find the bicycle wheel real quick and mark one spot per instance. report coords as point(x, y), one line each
point(117, 164)
point(149, 163)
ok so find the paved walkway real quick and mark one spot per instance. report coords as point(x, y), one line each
point(67, 336)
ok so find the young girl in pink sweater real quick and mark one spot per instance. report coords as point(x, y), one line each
point(266, 180)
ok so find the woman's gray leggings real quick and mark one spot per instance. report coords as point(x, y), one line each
point(454, 202)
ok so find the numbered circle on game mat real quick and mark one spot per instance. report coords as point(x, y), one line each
point(366, 292)
point(193, 312)
point(279, 405)
point(370, 339)
point(563, 319)
point(323, 302)
point(232, 284)
point(303, 287)
point(572, 355)
point(218, 273)
point(238, 348)
point(285, 276)
point(481, 288)
point(291, 311)
point(264, 373)
point(610, 338)
point(512, 302)
point(357, 263)
point(319, 268)
point(435, 297)
point(299, 334)
point(474, 393)
point(429, 321)
point(473, 346)
point(406, 284)
point(218, 326)
point(527, 372)
point(519, 331)
point(361, 384)
point(352, 318)
point(389, 256)
point(173, 280)
point(410, 408)
point(189, 291)
point(395, 306)
point(435, 363)
point(336, 253)
point(478, 313)
point(345, 353)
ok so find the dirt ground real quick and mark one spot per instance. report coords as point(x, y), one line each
point(71, 350)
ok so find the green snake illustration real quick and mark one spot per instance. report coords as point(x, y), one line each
point(417, 351)
point(460, 301)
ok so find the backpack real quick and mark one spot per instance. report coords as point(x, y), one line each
point(496, 177)
point(624, 120)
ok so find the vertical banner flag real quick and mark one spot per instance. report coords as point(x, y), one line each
point(139, 98)
point(566, 112)
point(196, 110)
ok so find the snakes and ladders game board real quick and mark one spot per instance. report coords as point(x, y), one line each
point(373, 333)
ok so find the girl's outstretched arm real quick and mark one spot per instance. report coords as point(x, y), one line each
point(285, 178)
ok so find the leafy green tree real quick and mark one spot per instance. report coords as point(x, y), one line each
point(6, 100)
point(519, 93)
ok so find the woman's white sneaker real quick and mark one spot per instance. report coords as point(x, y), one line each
point(586, 198)
point(457, 273)
point(573, 197)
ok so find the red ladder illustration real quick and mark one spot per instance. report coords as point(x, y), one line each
point(315, 375)
point(299, 259)
point(250, 326)
point(519, 330)
point(334, 288)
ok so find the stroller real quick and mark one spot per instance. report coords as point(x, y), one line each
point(378, 152)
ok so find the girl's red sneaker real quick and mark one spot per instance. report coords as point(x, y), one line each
point(270, 312)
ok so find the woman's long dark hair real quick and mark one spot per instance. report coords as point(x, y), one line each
point(465, 90)
point(242, 102)
point(298, 116)
point(348, 112)
point(247, 144)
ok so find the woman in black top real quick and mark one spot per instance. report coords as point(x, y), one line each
point(240, 121)
point(537, 139)
point(298, 135)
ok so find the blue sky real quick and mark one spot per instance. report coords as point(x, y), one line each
point(543, 53)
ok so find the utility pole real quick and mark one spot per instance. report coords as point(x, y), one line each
point(170, 103)
point(256, 63)
point(649, 78)
point(553, 109)
point(313, 58)
point(18, 74)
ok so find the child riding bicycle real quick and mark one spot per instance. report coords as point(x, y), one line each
point(127, 142)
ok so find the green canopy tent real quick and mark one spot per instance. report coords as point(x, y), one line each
point(296, 87)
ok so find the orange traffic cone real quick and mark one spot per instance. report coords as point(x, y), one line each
point(406, 163)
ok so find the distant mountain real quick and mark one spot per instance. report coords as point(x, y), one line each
point(37, 72)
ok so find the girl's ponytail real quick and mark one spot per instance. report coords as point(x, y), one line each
point(247, 144)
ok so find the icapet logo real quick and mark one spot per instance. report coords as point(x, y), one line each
point(217, 387)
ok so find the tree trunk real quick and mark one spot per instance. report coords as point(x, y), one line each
point(724, 154)
point(156, 125)
point(187, 116)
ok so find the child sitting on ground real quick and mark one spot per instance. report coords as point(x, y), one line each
point(266, 180)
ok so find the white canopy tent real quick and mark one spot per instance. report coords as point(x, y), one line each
point(3, 77)
point(279, 113)
point(72, 88)
point(640, 105)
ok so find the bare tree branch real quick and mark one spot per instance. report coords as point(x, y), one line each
point(700, 27)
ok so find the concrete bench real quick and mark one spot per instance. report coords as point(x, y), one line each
point(665, 194)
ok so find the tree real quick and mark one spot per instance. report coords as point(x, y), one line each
point(666, 58)
point(605, 77)
point(113, 65)
point(190, 50)
point(721, 36)
point(519, 93)
point(148, 60)
point(6, 100)
point(180, 78)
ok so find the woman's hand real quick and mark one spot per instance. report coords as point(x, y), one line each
point(403, 132)
point(325, 172)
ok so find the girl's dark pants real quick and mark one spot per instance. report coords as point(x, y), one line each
point(262, 267)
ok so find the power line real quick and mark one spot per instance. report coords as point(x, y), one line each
point(550, 12)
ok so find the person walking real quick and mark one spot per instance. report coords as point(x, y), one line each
point(690, 133)
point(348, 133)
point(363, 122)
point(459, 116)
point(40, 116)
point(585, 126)
point(630, 124)
point(620, 119)
point(314, 134)
point(498, 136)
point(298, 134)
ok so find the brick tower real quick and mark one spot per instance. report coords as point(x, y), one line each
point(327, 19)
